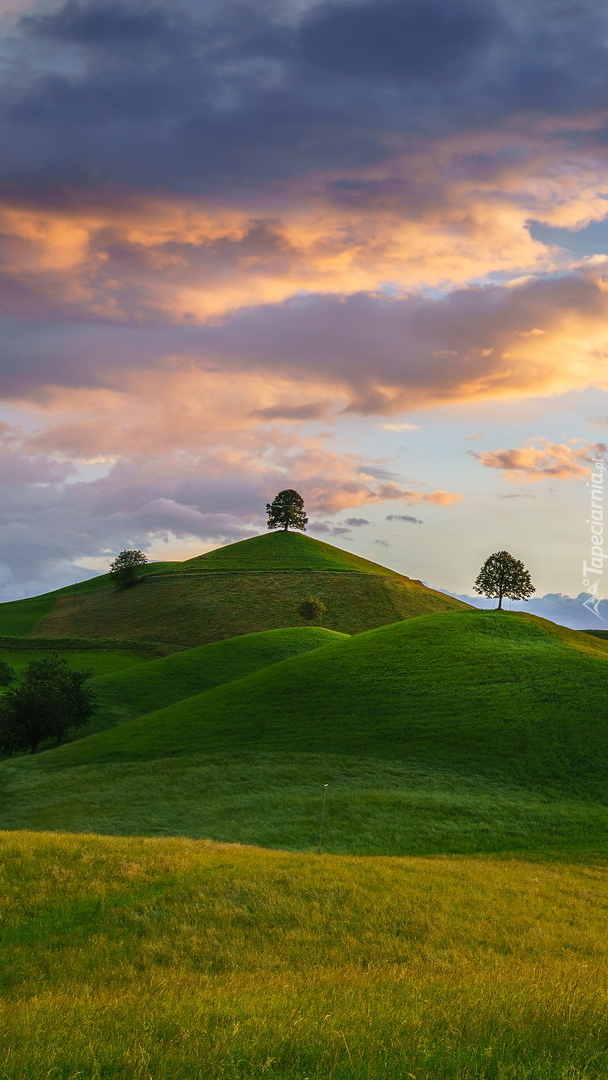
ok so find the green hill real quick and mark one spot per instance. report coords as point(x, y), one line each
point(126, 694)
point(463, 731)
point(248, 587)
point(284, 550)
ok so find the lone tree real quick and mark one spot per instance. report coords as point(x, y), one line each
point(502, 575)
point(312, 608)
point(49, 700)
point(285, 510)
point(125, 566)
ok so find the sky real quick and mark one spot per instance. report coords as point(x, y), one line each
point(359, 249)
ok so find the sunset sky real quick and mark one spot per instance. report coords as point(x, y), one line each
point(357, 249)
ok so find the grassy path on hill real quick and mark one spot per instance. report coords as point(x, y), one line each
point(136, 959)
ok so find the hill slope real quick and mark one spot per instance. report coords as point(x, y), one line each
point(484, 690)
point(126, 694)
point(454, 732)
point(251, 586)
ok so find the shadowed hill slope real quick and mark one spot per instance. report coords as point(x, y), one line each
point(126, 694)
point(248, 587)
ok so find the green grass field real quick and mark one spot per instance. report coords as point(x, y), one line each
point(131, 959)
point(440, 734)
point(281, 550)
point(454, 927)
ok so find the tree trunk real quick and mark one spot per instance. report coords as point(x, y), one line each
point(285, 528)
point(499, 602)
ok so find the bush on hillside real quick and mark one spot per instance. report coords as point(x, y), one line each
point(312, 608)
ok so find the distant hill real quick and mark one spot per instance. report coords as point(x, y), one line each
point(469, 731)
point(251, 586)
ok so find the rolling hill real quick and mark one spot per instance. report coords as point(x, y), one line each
point(247, 587)
point(170, 679)
point(468, 731)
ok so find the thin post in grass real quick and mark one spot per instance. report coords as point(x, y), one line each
point(325, 787)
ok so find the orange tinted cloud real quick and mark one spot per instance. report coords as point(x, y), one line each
point(547, 461)
point(427, 218)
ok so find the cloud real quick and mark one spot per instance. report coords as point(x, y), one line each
point(400, 427)
point(404, 517)
point(323, 528)
point(381, 543)
point(377, 355)
point(202, 96)
point(315, 410)
point(357, 522)
point(557, 461)
point(219, 222)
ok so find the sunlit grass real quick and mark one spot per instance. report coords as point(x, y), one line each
point(130, 958)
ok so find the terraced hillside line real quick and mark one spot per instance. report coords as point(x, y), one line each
point(199, 609)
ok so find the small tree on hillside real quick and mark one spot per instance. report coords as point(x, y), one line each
point(312, 608)
point(285, 510)
point(50, 699)
point(125, 566)
point(7, 675)
point(502, 575)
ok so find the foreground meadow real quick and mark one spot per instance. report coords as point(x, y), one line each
point(170, 959)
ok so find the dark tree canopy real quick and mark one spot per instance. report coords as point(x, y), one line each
point(285, 510)
point(7, 675)
point(312, 608)
point(502, 575)
point(125, 566)
point(48, 701)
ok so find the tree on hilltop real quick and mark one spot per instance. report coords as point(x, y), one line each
point(285, 510)
point(125, 566)
point(48, 701)
point(502, 575)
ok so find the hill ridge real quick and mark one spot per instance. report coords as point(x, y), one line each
point(251, 586)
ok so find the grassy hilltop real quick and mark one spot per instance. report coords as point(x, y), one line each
point(254, 585)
